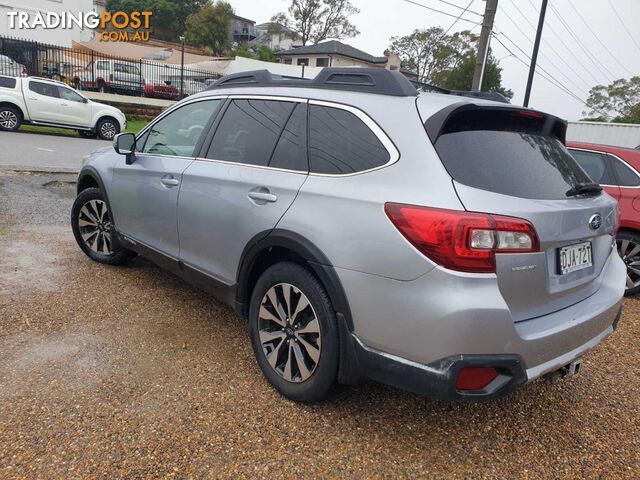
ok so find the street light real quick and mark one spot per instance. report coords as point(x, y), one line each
point(182, 68)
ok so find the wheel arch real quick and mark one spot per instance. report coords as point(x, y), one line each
point(105, 116)
point(14, 105)
point(270, 247)
point(88, 178)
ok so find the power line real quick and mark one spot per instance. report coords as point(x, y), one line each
point(438, 11)
point(461, 8)
point(456, 21)
point(515, 24)
point(568, 49)
point(553, 49)
point(625, 26)
point(581, 45)
point(598, 39)
point(545, 74)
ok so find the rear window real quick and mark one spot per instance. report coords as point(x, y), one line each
point(7, 82)
point(508, 153)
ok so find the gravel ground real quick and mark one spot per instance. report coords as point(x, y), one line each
point(129, 372)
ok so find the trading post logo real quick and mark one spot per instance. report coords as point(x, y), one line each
point(112, 26)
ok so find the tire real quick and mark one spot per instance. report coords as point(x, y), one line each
point(89, 207)
point(306, 348)
point(107, 128)
point(87, 134)
point(10, 118)
point(628, 244)
point(102, 88)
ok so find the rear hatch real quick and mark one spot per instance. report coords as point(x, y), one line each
point(509, 161)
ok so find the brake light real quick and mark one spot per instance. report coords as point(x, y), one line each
point(475, 378)
point(25, 72)
point(460, 240)
point(530, 113)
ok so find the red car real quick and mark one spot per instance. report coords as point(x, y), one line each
point(617, 170)
point(161, 90)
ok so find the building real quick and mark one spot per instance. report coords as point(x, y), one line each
point(276, 36)
point(241, 31)
point(335, 54)
point(58, 36)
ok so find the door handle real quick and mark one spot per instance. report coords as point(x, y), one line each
point(64, 104)
point(262, 196)
point(169, 181)
point(33, 99)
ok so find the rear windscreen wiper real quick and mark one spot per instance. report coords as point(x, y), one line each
point(584, 189)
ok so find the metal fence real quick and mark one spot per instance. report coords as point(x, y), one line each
point(89, 70)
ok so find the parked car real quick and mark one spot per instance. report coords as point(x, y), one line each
point(618, 171)
point(191, 87)
point(108, 76)
point(444, 244)
point(161, 90)
point(45, 102)
point(12, 68)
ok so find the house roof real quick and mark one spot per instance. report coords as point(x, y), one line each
point(333, 47)
point(242, 19)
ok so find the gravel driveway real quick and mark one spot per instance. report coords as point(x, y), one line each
point(129, 372)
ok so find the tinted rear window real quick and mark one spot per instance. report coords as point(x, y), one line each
point(505, 153)
point(7, 82)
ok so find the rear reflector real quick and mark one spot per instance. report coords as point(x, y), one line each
point(460, 240)
point(475, 378)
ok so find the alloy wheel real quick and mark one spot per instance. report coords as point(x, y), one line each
point(630, 253)
point(95, 226)
point(289, 332)
point(8, 119)
point(108, 130)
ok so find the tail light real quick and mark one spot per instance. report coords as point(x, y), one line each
point(25, 72)
point(460, 240)
point(475, 378)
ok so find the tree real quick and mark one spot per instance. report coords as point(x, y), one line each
point(209, 27)
point(446, 60)
point(265, 54)
point(423, 52)
point(318, 20)
point(618, 101)
point(169, 16)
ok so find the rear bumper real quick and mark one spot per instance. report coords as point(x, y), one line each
point(438, 379)
point(418, 334)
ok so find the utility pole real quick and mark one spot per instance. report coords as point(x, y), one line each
point(534, 55)
point(483, 45)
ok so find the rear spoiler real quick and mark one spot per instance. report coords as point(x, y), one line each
point(494, 96)
point(548, 124)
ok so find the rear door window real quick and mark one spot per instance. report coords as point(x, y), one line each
point(625, 175)
point(249, 130)
point(341, 143)
point(290, 152)
point(45, 89)
point(595, 165)
point(506, 153)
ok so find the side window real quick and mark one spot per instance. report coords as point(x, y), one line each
point(625, 175)
point(339, 142)
point(68, 94)
point(7, 82)
point(45, 89)
point(178, 133)
point(290, 152)
point(594, 164)
point(102, 65)
point(248, 131)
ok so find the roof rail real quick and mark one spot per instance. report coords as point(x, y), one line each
point(369, 80)
point(495, 96)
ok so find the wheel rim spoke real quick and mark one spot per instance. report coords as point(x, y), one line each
point(293, 353)
point(95, 227)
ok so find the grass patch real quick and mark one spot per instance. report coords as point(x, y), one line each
point(133, 126)
point(3, 230)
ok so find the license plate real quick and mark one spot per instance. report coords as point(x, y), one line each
point(574, 257)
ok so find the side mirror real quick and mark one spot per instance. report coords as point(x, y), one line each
point(85, 100)
point(125, 144)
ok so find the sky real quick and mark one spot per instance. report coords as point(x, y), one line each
point(576, 56)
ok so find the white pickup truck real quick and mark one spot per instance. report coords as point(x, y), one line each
point(45, 102)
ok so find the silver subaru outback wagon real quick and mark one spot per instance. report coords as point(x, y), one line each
point(441, 243)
